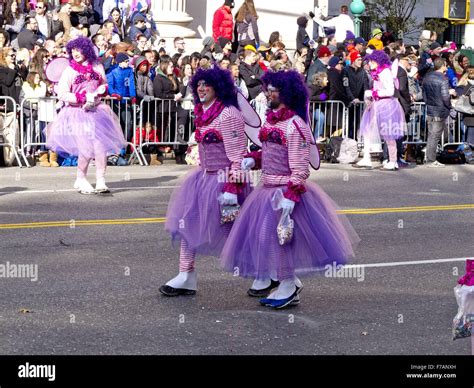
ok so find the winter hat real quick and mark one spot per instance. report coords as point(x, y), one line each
point(229, 3)
point(302, 21)
point(208, 41)
point(223, 41)
point(360, 40)
point(324, 52)
point(354, 55)
point(425, 34)
point(141, 61)
point(376, 32)
point(334, 61)
point(121, 57)
point(434, 46)
point(350, 35)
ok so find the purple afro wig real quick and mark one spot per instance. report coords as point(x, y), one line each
point(379, 57)
point(85, 46)
point(222, 83)
point(293, 90)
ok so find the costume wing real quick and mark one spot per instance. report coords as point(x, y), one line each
point(251, 118)
point(56, 68)
point(314, 158)
point(395, 73)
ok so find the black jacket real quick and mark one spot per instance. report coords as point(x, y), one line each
point(251, 75)
point(10, 85)
point(316, 67)
point(302, 38)
point(436, 94)
point(337, 91)
point(356, 82)
point(403, 92)
point(163, 88)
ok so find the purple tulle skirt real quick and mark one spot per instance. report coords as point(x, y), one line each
point(320, 236)
point(194, 213)
point(76, 131)
point(383, 118)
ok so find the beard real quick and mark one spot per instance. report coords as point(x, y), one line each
point(274, 104)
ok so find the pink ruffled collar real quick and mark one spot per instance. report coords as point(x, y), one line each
point(282, 114)
point(81, 68)
point(204, 118)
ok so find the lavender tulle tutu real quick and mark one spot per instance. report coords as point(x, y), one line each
point(194, 213)
point(383, 118)
point(320, 236)
point(76, 131)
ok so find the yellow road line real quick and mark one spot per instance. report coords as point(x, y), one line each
point(159, 220)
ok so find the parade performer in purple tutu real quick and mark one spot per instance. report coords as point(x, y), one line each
point(85, 127)
point(194, 211)
point(256, 248)
point(383, 116)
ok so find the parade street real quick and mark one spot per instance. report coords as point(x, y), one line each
point(92, 266)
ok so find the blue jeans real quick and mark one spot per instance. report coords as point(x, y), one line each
point(319, 121)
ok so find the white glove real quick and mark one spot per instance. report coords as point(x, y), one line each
point(100, 90)
point(247, 164)
point(90, 98)
point(287, 205)
point(228, 199)
point(368, 95)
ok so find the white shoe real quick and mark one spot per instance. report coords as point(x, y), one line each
point(184, 280)
point(390, 166)
point(101, 187)
point(384, 163)
point(365, 162)
point(83, 186)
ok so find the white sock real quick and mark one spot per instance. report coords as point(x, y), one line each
point(186, 280)
point(286, 288)
point(260, 284)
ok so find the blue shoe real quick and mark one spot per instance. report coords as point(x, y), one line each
point(282, 303)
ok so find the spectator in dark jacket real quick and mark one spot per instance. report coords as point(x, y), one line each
point(356, 82)
point(337, 92)
point(251, 73)
point(139, 27)
point(14, 18)
point(10, 80)
point(319, 93)
point(302, 37)
point(223, 21)
point(320, 65)
point(438, 104)
point(427, 59)
point(226, 46)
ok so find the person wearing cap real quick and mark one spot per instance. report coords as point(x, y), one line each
point(376, 40)
point(341, 23)
point(143, 9)
point(302, 37)
point(359, 44)
point(209, 48)
point(427, 59)
point(194, 216)
point(356, 82)
point(223, 21)
point(265, 57)
point(251, 72)
point(121, 81)
point(320, 65)
point(319, 236)
point(139, 27)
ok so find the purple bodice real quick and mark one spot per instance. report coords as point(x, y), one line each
point(212, 155)
point(274, 151)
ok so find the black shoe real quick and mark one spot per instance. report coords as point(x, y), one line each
point(263, 292)
point(170, 291)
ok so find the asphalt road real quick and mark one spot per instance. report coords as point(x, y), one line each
point(97, 286)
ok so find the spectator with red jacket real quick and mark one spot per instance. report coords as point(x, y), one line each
point(223, 22)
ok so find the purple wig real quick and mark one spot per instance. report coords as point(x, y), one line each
point(293, 90)
point(222, 83)
point(85, 46)
point(379, 57)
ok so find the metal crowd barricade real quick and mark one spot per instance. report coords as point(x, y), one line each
point(417, 128)
point(171, 121)
point(9, 130)
point(35, 115)
point(327, 117)
point(127, 114)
